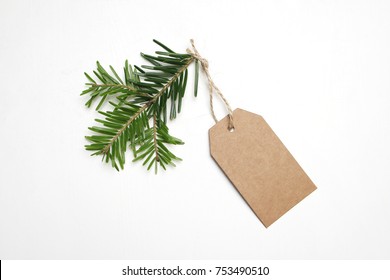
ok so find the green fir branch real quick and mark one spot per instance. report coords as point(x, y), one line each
point(139, 115)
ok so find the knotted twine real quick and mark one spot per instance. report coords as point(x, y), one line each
point(212, 87)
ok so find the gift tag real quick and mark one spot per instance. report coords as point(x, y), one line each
point(259, 165)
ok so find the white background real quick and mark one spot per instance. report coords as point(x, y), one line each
point(318, 71)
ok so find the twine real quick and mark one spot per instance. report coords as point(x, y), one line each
point(212, 87)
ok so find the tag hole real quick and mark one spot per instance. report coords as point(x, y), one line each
point(231, 129)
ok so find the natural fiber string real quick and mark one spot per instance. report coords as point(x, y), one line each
point(205, 66)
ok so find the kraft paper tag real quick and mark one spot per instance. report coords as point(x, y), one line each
point(259, 165)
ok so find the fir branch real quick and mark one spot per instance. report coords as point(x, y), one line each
point(142, 98)
point(110, 85)
point(146, 106)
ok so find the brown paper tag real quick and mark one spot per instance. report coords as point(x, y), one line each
point(259, 165)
